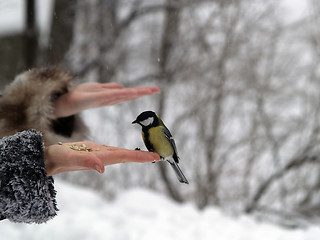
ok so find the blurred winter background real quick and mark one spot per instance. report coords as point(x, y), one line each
point(240, 87)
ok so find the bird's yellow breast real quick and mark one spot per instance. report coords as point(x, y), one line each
point(160, 143)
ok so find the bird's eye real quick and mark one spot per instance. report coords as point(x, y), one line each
point(147, 121)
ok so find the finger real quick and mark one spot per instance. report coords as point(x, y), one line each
point(111, 148)
point(116, 96)
point(126, 97)
point(143, 90)
point(143, 156)
point(152, 88)
point(137, 156)
point(155, 89)
point(125, 94)
point(114, 156)
point(91, 162)
point(120, 100)
point(112, 85)
point(140, 91)
point(148, 90)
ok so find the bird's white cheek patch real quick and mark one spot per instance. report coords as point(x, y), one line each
point(147, 122)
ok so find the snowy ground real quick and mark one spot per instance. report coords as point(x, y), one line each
point(140, 214)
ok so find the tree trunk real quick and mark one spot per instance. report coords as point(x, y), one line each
point(31, 35)
point(61, 30)
point(170, 32)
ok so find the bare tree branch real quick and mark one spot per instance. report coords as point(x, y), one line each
point(294, 164)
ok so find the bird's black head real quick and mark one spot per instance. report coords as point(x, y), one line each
point(147, 119)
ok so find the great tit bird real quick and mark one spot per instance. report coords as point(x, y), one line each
point(157, 138)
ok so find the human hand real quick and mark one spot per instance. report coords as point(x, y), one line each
point(67, 157)
point(91, 95)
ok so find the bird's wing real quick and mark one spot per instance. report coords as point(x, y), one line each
point(170, 138)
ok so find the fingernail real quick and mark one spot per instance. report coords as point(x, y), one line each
point(97, 167)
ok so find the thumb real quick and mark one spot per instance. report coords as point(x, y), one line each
point(92, 162)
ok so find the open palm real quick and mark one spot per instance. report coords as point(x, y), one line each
point(91, 95)
point(78, 156)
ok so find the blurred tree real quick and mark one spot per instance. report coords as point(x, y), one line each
point(30, 35)
point(11, 60)
point(168, 42)
point(61, 31)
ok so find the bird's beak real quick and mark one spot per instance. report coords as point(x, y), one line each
point(135, 121)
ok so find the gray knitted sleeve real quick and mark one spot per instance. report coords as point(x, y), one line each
point(26, 193)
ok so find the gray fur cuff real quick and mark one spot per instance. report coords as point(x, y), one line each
point(28, 103)
point(26, 193)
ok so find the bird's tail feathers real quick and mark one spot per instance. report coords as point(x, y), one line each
point(178, 172)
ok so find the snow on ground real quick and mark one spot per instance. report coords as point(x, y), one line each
point(141, 214)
